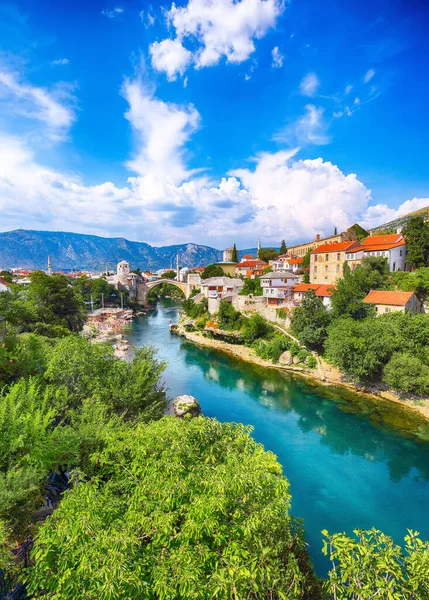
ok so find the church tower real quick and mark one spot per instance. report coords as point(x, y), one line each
point(49, 266)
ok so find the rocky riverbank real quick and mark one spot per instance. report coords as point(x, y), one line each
point(324, 374)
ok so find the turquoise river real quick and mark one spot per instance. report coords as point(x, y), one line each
point(351, 461)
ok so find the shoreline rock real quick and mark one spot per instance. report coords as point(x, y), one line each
point(186, 407)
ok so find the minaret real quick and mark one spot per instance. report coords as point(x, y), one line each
point(177, 267)
point(259, 245)
point(49, 266)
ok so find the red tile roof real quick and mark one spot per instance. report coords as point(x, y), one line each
point(325, 290)
point(252, 263)
point(336, 247)
point(295, 260)
point(4, 282)
point(377, 240)
point(248, 256)
point(386, 297)
point(306, 287)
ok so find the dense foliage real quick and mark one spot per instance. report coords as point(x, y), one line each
point(195, 309)
point(53, 416)
point(94, 290)
point(372, 566)
point(234, 257)
point(363, 348)
point(416, 233)
point(251, 286)
point(212, 271)
point(310, 322)
point(283, 248)
point(229, 318)
point(371, 274)
point(267, 254)
point(182, 509)
point(49, 306)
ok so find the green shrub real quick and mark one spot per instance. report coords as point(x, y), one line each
point(182, 510)
point(311, 362)
point(229, 319)
point(406, 373)
point(255, 327)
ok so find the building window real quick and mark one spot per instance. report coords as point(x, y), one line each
point(315, 258)
point(400, 252)
point(315, 270)
point(326, 256)
point(338, 256)
point(386, 309)
point(338, 268)
point(326, 269)
point(376, 309)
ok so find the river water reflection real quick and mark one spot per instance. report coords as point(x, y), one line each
point(347, 466)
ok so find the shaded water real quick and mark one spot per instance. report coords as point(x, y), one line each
point(351, 462)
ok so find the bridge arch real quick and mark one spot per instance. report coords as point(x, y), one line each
point(144, 288)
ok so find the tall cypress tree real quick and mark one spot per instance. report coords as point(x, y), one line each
point(283, 248)
point(234, 254)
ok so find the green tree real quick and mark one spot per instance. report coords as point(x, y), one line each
point(267, 254)
point(195, 309)
point(306, 265)
point(234, 254)
point(181, 510)
point(84, 370)
point(356, 232)
point(55, 302)
point(335, 231)
point(228, 318)
point(416, 233)
point(360, 348)
point(407, 373)
point(372, 566)
point(7, 276)
point(212, 271)
point(310, 322)
point(283, 248)
point(371, 274)
point(169, 275)
point(251, 286)
point(254, 328)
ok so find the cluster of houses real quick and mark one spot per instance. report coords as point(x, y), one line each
point(282, 279)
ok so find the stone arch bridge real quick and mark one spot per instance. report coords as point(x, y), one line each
point(144, 288)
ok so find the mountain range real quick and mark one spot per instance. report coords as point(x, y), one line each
point(75, 251)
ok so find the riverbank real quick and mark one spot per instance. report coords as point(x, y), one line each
point(324, 374)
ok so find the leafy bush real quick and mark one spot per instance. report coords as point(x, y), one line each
point(255, 327)
point(311, 361)
point(229, 318)
point(272, 349)
point(373, 566)
point(182, 510)
point(310, 322)
point(406, 373)
point(251, 286)
point(193, 309)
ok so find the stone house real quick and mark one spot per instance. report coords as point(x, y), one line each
point(277, 287)
point(385, 301)
point(250, 269)
point(326, 262)
point(302, 249)
point(218, 287)
point(393, 247)
point(287, 262)
point(323, 291)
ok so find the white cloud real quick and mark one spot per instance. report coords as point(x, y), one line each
point(60, 61)
point(381, 213)
point(162, 130)
point(348, 89)
point(51, 107)
point(112, 13)
point(309, 85)
point(310, 128)
point(166, 202)
point(225, 28)
point(277, 58)
point(147, 17)
point(356, 100)
point(170, 57)
point(369, 75)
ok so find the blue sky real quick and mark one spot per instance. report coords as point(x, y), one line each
point(212, 122)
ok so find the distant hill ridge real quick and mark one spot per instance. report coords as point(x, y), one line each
point(75, 251)
point(402, 220)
